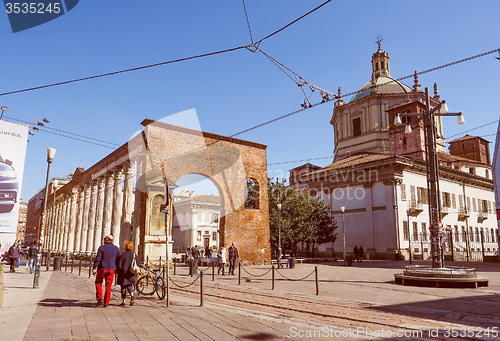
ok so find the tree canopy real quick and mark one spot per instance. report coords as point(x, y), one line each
point(303, 218)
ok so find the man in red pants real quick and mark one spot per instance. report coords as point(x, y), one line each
point(104, 269)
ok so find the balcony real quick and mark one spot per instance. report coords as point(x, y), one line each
point(444, 211)
point(463, 214)
point(482, 216)
point(415, 207)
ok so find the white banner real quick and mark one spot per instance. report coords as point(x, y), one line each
point(13, 141)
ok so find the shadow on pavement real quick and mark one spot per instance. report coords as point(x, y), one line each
point(474, 311)
point(59, 302)
point(259, 336)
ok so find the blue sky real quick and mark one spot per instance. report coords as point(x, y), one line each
point(234, 91)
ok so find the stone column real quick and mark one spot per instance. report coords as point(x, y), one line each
point(137, 220)
point(92, 213)
point(99, 214)
point(79, 220)
point(48, 224)
point(66, 224)
point(61, 226)
point(128, 203)
point(108, 205)
point(54, 227)
point(117, 207)
point(85, 219)
point(72, 221)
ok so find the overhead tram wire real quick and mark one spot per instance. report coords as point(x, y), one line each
point(254, 44)
point(481, 126)
point(248, 22)
point(46, 129)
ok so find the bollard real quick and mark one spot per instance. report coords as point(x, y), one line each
point(213, 271)
point(175, 266)
point(72, 261)
point(239, 273)
point(66, 265)
point(90, 266)
point(80, 266)
point(201, 288)
point(316, 275)
point(272, 265)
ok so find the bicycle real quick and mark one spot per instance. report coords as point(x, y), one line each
point(150, 283)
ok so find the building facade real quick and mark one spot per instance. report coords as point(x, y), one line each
point(196, 221)
point(21, 225)
point(377, 185)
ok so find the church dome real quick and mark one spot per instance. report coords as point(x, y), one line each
point(385, 85)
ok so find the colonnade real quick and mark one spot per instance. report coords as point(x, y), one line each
point(92, 209)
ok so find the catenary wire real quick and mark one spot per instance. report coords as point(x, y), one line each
point(248, 22)
point(481, 126)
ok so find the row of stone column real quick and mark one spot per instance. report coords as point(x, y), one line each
point(78, 222)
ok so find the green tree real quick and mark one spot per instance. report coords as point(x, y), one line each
point(303, 218)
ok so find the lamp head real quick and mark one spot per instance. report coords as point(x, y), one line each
point(50, 154)
point(444, 108)
point(397, 120)
point(279, 206)
point(45, 120)
point(4, 108)
point(408, 129)
point(342, 209)
point(460, 119)
point(55, 183)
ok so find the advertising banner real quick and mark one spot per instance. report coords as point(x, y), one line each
point(13, 141)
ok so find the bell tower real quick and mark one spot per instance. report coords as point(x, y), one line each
point(380, 62)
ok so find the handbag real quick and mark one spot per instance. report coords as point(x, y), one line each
point(134, 268)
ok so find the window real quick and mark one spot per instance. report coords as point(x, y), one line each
point(404, 142)
point(424, 231)
point(406, 230)
point(423, 196)
point(468, 204)
point(403, 192)
point(472, 170)
point(214, 236)
point(474, 206)
point(415, 231)
point(487, 174)
point(461, 202)
point(413, 197)
point(252, 194)
point(464, 234)
point(356, 126)
point(446, 199)
point(477, 235)
point(453, 201)
point(471, 234)
point(457, 237)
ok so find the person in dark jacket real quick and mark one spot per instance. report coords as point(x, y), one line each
point(126, 278)
point(233, 256)
point(104, 269)
point(14, 254)
point(32, 252)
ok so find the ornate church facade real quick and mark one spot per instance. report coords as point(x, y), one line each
point(377, 185)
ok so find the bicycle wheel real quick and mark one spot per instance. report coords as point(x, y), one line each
point(160, 288)
point(145, 285)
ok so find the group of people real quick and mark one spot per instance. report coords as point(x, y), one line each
point(223, 255)
point(14, 254)
point(109, 261)
point(359, 253)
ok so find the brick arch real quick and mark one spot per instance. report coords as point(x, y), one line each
point(172, 151)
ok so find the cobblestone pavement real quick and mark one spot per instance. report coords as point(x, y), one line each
point(354, 303)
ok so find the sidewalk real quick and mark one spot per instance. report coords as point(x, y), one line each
point(63, 309)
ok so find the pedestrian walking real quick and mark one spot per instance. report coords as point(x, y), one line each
point(104, 269)
point(32, 252)
point(361, 254)
point(233, 256)
point(280, 255)
point(222, 258)
point(14, 253)
point(126, 278)
point(196, 258)
point(356, 253)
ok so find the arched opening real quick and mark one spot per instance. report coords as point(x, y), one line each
point(252, 194)
point(197, 211)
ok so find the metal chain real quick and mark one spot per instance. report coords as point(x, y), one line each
point(256, 275)
point(183, 286)
point(291, 279)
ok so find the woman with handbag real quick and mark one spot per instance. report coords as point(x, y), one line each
point(126, 275)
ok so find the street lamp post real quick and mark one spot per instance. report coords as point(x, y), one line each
point(50, 157)
point(342, 209)
point(279, 227)
point(55, 183)
point(432, 169)
point(409, 232)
